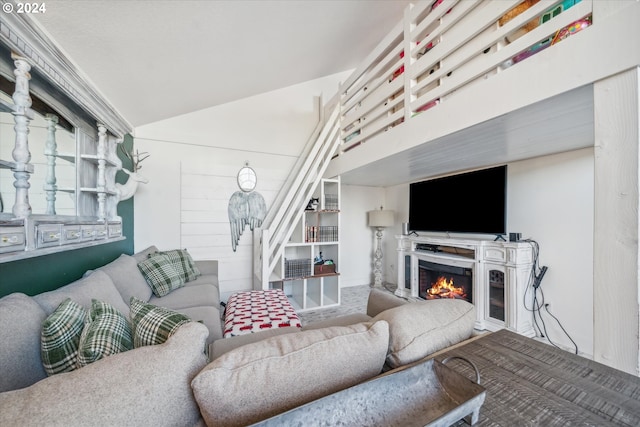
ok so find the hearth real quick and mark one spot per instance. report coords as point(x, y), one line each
point(491, 275)
point(438, 281)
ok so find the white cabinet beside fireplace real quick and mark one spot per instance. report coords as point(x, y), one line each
point(501, 276)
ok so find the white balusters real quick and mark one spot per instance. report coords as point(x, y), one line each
point(51, 151)
point(22, 114)
point(101, 184)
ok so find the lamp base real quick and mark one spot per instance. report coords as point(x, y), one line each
point(377, 261)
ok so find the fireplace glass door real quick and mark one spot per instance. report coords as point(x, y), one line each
point(496, 294)
point(438, 281)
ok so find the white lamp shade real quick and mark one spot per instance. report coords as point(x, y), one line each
point(380, 218)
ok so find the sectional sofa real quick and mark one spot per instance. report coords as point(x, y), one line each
point(193, 376)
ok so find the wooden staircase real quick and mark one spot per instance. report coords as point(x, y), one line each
point(279, 224)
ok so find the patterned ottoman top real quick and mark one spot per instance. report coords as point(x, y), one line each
point(254, 311)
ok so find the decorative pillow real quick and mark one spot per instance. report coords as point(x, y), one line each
point(262, 379)
point(106, 332)
point(160, 274)
point(418, 329)
point(183, 263)
point(152, 324)
point(60, 337)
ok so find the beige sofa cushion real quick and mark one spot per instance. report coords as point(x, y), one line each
point(146, 386)
point(220, 347)
point(20, 325)
point(344, 320)
point(260, 380)
point(420, 328)
point(380, 301)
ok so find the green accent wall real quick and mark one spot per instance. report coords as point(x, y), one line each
point(47, 272)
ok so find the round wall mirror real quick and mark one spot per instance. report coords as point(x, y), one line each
point(247, 179)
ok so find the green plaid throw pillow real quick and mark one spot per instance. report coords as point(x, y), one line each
point(152, 324)
point(183, 263)
point(60, 336)
point(160, 274)
point(106, 332)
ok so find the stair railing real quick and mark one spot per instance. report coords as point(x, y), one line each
point(280, 222)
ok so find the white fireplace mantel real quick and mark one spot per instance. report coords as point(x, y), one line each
point(510, 262)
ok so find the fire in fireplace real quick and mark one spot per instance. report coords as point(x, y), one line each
point(444, 281)
point(444, 288)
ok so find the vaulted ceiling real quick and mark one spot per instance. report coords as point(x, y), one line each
point(158, 59)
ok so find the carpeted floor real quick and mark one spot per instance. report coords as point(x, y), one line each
point(353, 299)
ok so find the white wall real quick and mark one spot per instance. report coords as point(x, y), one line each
point(193, 166)
point(550, 200)
point(357, 240)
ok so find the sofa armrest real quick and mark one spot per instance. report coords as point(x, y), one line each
point(380, 301)
point(146, 386)
point(207, 266)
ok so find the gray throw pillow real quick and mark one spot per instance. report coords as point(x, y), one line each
point(97, 285)
point(127, 278)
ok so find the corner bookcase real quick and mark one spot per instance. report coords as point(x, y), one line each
point(317, 232)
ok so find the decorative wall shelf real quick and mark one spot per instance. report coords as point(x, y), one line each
point(36, 69)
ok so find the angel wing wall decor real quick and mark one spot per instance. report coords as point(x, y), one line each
point(246, 207)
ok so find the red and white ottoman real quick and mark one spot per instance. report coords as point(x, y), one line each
point(254, 311)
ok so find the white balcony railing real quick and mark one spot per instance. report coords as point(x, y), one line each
point(443, 48)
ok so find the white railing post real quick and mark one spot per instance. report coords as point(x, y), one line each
point(409, 25)
point(50, 152)
point(22, 115)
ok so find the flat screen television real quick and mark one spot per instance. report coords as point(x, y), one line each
point(472, 202)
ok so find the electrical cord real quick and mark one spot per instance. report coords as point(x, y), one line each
point(538, 302)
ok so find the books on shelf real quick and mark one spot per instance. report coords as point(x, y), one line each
point(331, 202)
point(321, 233)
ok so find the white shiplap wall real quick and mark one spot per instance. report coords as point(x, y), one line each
point(193, 166)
